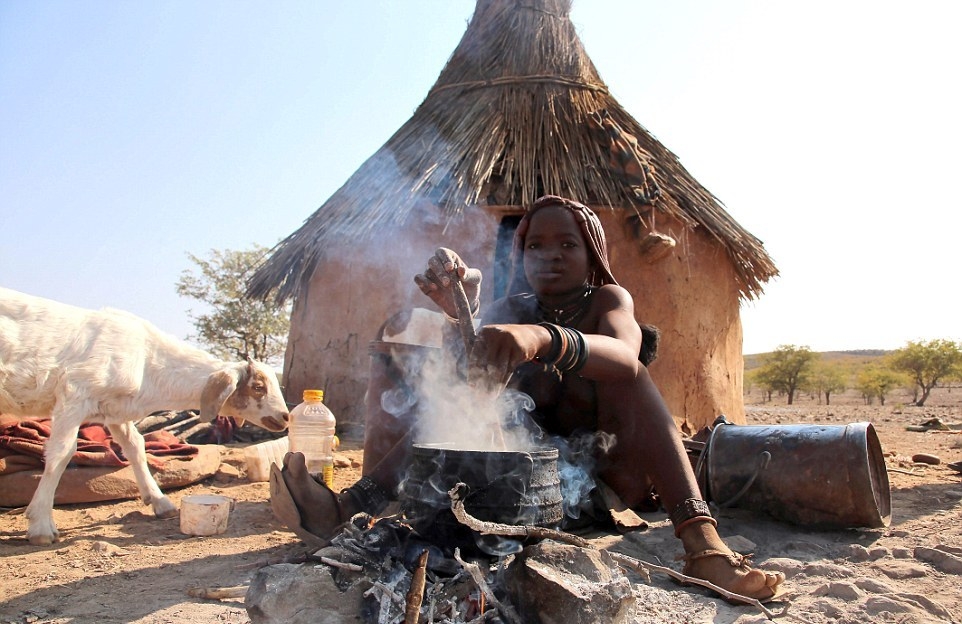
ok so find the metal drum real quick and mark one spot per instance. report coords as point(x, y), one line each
point(823, 476)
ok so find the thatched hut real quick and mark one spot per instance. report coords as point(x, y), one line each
point(518, 111)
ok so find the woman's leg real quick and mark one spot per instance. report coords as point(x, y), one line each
point(647, 442)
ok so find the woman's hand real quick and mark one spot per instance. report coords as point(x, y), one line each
point(444, 269)
point(500, 349)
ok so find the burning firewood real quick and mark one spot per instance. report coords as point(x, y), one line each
point(388, 596)
point(458, 492)
point(415, 595)
point(506, 610)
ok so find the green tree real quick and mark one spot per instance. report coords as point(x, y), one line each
point(828, 378)
point(236, 326)
point(928, 363)
point(874, 382)
point(787, 369)
point(755, 378)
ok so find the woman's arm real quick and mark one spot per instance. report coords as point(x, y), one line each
point(613, 344)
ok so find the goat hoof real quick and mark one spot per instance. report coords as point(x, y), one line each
point(163, 508)
point(44, 539)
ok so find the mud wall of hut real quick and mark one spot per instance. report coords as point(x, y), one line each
point(689, 292)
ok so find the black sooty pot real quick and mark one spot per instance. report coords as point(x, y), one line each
point(510, 487)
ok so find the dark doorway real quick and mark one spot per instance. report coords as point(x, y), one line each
point(502, 255)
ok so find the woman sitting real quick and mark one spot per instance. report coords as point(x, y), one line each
point(570, 341)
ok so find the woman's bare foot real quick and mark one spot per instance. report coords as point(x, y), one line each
point(305, 505)
point(708, 558)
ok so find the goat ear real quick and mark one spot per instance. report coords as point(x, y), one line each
point(219, 387)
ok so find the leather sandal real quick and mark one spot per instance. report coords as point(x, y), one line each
point(735, 560)
point(287, 512)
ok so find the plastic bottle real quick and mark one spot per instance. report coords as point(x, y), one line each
point(312, 433)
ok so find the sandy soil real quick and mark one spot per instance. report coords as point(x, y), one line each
point(117, 563)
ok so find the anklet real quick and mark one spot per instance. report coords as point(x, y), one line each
point(681, 527)
point(688, 512)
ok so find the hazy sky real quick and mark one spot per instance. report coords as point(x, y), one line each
point(134, 133)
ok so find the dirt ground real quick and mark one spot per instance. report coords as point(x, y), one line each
point(115, 562)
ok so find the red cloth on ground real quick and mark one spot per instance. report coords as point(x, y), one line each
point(21, 445)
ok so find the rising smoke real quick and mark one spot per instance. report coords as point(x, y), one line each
point(453, 414)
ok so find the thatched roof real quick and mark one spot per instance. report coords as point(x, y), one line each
point(519, 110)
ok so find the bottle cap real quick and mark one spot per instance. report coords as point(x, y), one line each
point(313, 395)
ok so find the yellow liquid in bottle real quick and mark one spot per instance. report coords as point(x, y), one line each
point(327, 474)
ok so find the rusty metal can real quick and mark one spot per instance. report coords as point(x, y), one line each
point(822, 476)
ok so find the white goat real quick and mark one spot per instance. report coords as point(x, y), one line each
point(111, 367)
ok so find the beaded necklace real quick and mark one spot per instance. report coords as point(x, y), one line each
point(569, 312)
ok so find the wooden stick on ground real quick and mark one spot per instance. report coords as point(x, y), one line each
point(218, 593)
point(458, 492)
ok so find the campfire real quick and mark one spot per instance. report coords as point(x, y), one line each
point(382, 570)
point(477, 533)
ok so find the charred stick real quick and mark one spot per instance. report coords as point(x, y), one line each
point(194, 430)
point(334, 563)
point(643, 568)
point(490, 614)
point(483, 527)
point(388, 596)
point(412, 611)
point(478, 577)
